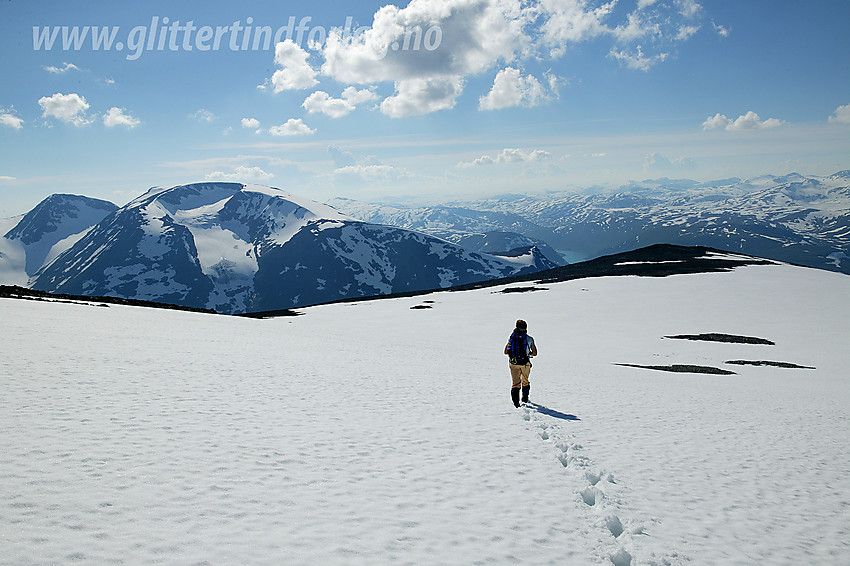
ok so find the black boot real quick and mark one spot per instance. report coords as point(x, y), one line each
point(515, 396)
point(525, 390)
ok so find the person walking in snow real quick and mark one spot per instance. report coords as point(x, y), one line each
point(520, 349)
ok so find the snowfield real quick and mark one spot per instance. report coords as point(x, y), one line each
point(376, 433)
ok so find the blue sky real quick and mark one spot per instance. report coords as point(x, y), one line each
point(488, 97)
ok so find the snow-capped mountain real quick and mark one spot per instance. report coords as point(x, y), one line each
point(238, 248)
point(481, 231)
point(49, 229)
point(794, 218)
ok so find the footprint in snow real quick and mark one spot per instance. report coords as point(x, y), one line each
point(614, 525)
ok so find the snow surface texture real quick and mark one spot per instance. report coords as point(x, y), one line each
point(374, 432)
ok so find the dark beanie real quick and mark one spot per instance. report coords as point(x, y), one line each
point(521, 325)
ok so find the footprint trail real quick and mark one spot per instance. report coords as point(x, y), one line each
point(600, 495)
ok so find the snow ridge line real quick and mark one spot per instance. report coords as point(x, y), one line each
point(600, 491)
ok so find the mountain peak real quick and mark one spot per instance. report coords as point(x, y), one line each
point(235, 247)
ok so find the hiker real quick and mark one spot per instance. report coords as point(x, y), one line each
point(519, 349)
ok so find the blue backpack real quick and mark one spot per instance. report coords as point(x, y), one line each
point(518, 349)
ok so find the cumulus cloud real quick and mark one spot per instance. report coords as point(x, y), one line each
point(841, 115)
point(250, 123)
point(426, 39)
point(356, 97)
point(415, 97)
point(9, 118)
point(295, 72)
point(70, 108)
point(426, 49)
point(321, 102)
point(430, 49)
point(510, 155)
point(63, 69)
point(240, 173)
point(292, 127)
point(658, 161)
point(116, 117)
point(748, 121)
point(510, 88)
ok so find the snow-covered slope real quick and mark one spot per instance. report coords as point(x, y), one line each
point(382, 432)
point(238, 248)
point(38, 237)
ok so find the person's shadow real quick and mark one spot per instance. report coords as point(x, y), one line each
point(552, 412)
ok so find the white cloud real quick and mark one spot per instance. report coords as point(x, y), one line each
point(841, 115)
point(722, 31)
point(70, 108)
point(415, 97)
point(322, 102)
point(116, 117)
point(10, 119)
point(430, 48)
point(240, 173)
point(686, 32)
point(370, 172)
point(251, 124)
point(292, 127)
point(426, 49)
point(689, 8)
point(748, 121)
point(202, 115)
point(510, 88)
point(510, 155)
point(636, 60)
point(295, 72)
point(716, 122)
point(658, 161)
point(356, 97)
point(572, 21)
point(636, 28)
point(426, 39)
point(63, 69)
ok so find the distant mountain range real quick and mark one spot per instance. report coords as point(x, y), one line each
point(793, 218)
point(233, 248)
point(246, 248)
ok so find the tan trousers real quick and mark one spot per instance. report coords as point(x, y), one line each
point(519, 375)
